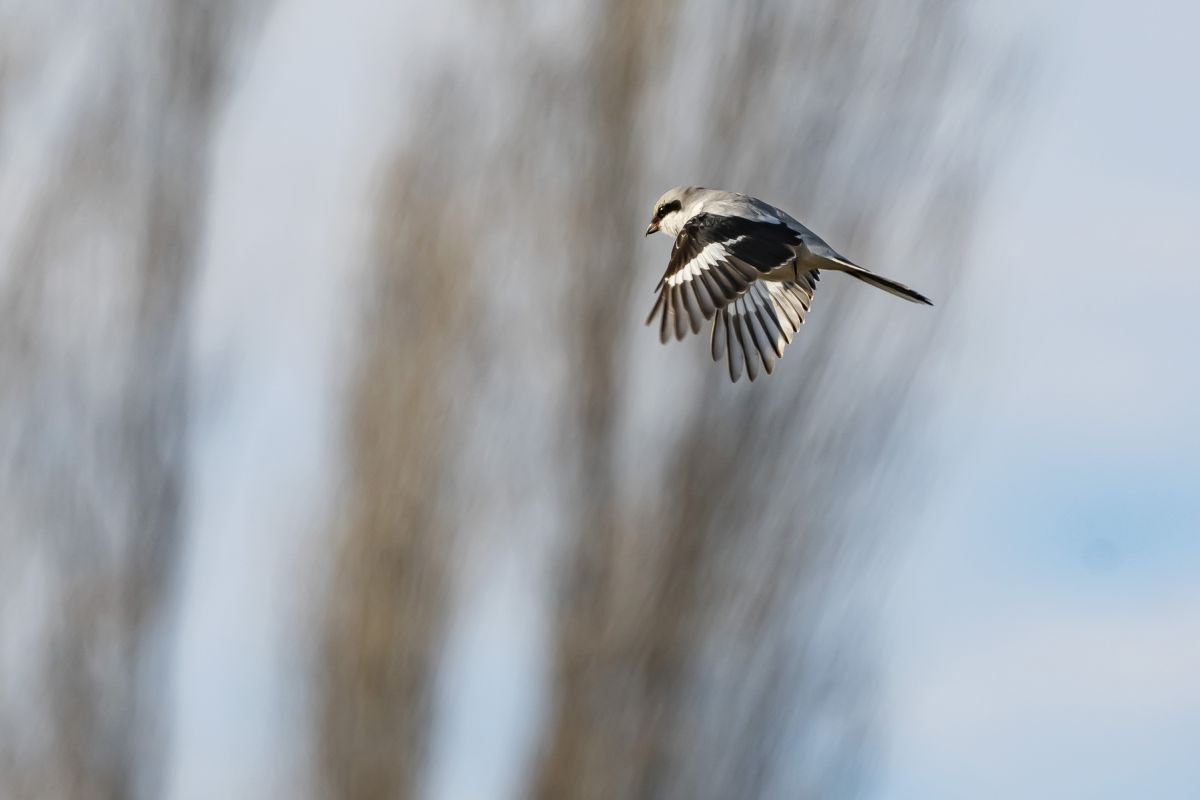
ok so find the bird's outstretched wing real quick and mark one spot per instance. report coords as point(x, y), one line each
point(759, 324)
point(714, 260)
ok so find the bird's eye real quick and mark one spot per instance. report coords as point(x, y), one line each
point(667, 208)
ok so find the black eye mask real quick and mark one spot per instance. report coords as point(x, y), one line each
point(667, 208)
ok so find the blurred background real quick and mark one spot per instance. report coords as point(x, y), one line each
point(335, 460)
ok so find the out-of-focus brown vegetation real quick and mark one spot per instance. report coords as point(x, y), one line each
point(388, 602)
point(701, 645)
point(94, 394)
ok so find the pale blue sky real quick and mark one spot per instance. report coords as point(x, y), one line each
point(1045, 630)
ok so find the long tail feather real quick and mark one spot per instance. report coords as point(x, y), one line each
point(888, 285)
point(828, 258)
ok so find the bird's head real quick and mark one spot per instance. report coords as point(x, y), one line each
point(672, 210)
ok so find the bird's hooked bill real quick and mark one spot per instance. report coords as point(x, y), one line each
point(652, 228)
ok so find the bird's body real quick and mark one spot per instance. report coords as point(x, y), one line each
point(750, 268)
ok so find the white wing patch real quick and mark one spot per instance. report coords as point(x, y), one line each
point(706, 259)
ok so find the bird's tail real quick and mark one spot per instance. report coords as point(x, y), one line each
point(831, 260)
point(888, 285)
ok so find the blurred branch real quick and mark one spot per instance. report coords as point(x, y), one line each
point(388, 602)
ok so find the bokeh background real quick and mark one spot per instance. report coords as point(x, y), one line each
point(335, 460)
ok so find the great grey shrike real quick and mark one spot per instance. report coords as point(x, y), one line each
point(747, 266)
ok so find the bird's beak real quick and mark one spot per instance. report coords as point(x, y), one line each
point(652, 229)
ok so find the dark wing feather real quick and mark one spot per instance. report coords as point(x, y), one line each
point(761, 323)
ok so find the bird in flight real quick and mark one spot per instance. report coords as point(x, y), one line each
point(747, 266)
